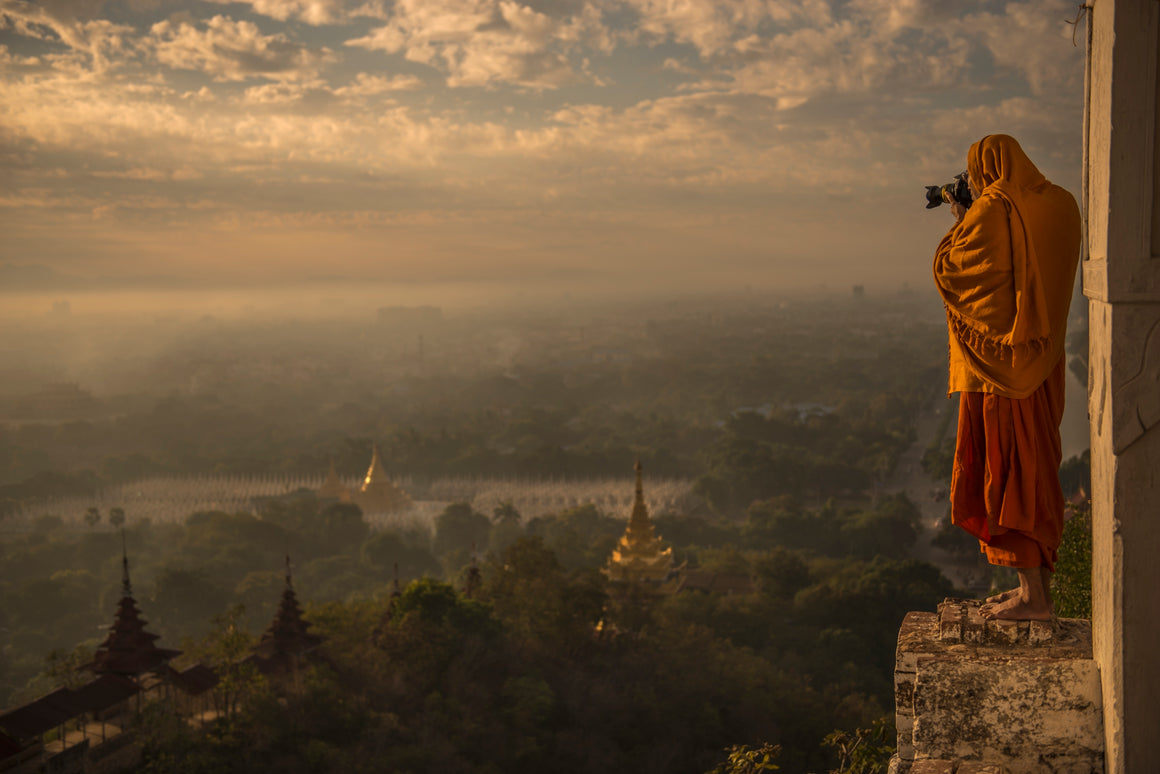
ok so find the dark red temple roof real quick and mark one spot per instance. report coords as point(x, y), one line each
point(288, 634)
point(8, 747)
point(40, 716)
point(104, 692)
point(287, 637)
point(29, 721)
point(129, 649)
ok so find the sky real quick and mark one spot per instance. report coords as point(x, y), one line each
point(675, 144)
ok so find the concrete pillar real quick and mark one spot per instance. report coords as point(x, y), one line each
point(1121, 277)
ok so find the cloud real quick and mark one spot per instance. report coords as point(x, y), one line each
point(314, 12)
point(102, 41)
point(149, 174)
point(365, 85)
point(1032, 38)
point(709, 25)
point(486, 42)
point(231, 50)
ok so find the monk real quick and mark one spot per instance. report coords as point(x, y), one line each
point(1006, 270)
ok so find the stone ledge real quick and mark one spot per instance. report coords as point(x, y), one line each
point(960, 620)
point(931, 766)
point(980, 696)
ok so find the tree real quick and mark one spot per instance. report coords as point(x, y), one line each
point(865, 751)
point(116, 517)
point(186, 599)
point(92, 516)
point(387, 549)
point(225, 649)
point(460, 527)
point(64, 667)
point(749, 760)
point(342, 528)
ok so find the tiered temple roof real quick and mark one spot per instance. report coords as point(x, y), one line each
point(288, 636)
point(639, 555)
point(129, 650)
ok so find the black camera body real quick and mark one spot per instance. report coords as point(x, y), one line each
point(957, 191)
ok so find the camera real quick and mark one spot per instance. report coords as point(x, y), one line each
point(956, 191)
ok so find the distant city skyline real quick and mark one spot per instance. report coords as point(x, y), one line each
point(571, 143)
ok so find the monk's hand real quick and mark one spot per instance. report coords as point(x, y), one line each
point(958, 211)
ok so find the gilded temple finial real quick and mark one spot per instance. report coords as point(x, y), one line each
point(638, 555)
point(378, 494)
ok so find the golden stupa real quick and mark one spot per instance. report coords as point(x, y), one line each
point(378, 494)
point(639, 556)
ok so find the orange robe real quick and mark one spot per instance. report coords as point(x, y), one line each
point(1005, 486)
point(1006, 273)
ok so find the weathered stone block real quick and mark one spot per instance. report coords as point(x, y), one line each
point(932, 767)
point(904, 725)
point(1008, 631)
point(971, 767)
point(1040, 631)
point(904, 691)
point(1032, 707)
point(1009, 711)
point(950, 622)
point(974, 627)
point(917, 629)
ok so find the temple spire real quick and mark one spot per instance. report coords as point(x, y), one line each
point(287, 637)
point(378, 494)
point(126, 586)
point(375, 474)
point(638, 555)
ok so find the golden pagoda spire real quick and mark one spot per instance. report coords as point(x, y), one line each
point(375, 474)
point(378, 494)
point(640, 528)
point(638, 555)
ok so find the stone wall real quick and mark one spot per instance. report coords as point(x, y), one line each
point(1001, 696)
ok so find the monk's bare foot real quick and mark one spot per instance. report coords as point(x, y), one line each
point(1017, 610)
point(1031, 602)
point(1003, 597)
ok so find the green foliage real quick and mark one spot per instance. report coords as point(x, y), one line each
point(64, 669)
point(581, 537)
point(954, 539)
point(1071, 584)
point(938, 459)
point(387, 549)
point(866, 750)
point(459, 528)
point(182, 594)
point(225, 649)
point(749, 760)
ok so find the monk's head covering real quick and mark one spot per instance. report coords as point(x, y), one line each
point(1006, 273)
